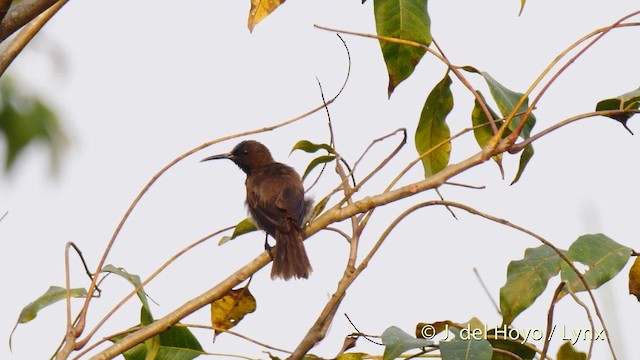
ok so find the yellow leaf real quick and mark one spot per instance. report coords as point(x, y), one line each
point(227, 311)
point(634, 278)
point(260, 9)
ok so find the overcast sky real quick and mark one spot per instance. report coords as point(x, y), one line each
point(136, 84)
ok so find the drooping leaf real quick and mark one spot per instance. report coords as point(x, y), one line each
point(50, 297)
point(465, 347)
point(230, 309)
point(134, 280)
point(526, 280)
point(568, 352)
point(260, 9)
point(433, 129)
point(527, 154)
point(25, 120)
point(626, 102)
point(482, 130)
point(604, 257)
point(634, 279)
point(309, 147)
point(397, 342)
point(406, 20)
point(317, 161)
point(243, 227)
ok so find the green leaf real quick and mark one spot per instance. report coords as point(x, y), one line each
point(25, 120)
point(498, 340)
point(433, 129)
point(317, 161)
point(465, 348)
point(397, 342)
point(527, 154)
point(353, 356)
point(568, 352)
point(604, 257)
point(507, 100)
point(526, 280)
point(50, 297)
point(243, 227)
point(625, 102)
point(134, 280)
point(308, 146)
point(482, 130)
point(483, 133)
point(406, 20)
point(176, 343)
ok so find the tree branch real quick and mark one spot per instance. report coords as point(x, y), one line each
point(26, 35)
point(20, 14)
point(4, 8)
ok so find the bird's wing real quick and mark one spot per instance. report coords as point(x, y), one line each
point(291, 201)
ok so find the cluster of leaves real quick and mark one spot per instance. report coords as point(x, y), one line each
point(526, 280)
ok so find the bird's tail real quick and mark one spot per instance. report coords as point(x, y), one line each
point(290, 258)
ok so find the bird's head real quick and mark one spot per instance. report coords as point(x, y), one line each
point(248, 155)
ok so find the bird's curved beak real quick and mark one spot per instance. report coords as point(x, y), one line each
point(219, 156)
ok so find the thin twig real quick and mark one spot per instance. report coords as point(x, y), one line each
point(236, 334)
point(84, 264)
point(589, 318)
point(486, 291)
point(342, 233)
point(547, 339)
point(608, 113)
point(475, 187)
point(360, 333)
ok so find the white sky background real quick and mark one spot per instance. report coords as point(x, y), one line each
point(142, 82)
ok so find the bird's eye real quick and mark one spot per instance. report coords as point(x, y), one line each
point(245, 152)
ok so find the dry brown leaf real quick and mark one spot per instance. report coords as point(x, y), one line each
point(229, 310)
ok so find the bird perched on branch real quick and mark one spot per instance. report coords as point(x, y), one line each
point(277, 205)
